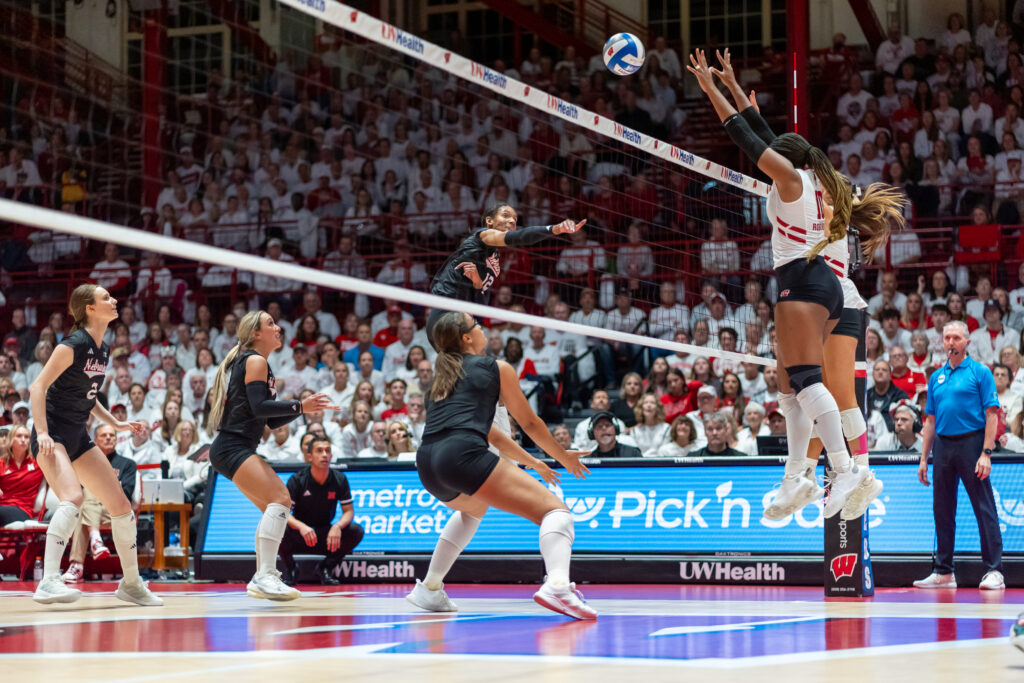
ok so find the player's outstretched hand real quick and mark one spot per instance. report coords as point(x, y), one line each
point(726, 73)
point(133, 427)
point(468, 269)
point(568, 226)
point(546, 473)
point(571, 462)
point(698, 66)
point(317, 403)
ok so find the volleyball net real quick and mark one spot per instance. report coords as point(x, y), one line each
point(398, 144)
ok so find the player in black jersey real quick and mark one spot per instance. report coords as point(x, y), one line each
point(456, 466)
point(242, 404)
point(63, 397)
point(470, 272)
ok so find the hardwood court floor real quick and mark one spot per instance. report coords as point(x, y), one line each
point(210, 632)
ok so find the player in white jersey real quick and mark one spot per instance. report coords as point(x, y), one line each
point(810, 295)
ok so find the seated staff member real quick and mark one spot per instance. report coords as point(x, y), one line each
point(20, 477)
point(317, 490)
point(472, 269)
point(605, 432)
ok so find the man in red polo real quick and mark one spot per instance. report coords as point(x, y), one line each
point(902, 376)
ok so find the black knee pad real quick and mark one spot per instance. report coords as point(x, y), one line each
point(803, 376)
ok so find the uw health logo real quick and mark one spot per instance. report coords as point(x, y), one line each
point(484, 74)
point(682, 156)
point(627, 134)
point(396, 36)
point(561, 107)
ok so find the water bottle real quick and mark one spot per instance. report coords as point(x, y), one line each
point(37, 571)
point(174, 539)
point(173, 545)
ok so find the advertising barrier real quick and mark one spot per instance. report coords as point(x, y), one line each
point(629, 509)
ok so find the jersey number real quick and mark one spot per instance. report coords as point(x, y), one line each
point(92, 391)
point(821, 205)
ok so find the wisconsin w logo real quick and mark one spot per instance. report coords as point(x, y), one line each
point(843, 565)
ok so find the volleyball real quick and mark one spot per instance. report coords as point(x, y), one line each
point(624, 54)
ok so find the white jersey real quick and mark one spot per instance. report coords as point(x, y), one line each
point(837, 256)
point(502, 422)
point(798, 225)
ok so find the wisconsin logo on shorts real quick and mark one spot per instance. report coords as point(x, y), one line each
point(784, 294)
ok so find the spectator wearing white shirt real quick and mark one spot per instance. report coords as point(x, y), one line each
point(890, 331)
point(1009, 193)
point(312, 304)
point(627, 318)
point(581, 257)
point(189, 172)
point(1017, 295)
point(872, 166)
point(395, 354)
point(112, 273)
point(754, 416)
point(982, 293)
point(589, 314)
point(402, 270)
point(853, 103)
point(377, 448)
point(1010, 400)
point(888, 295)
point(296, 375)
point(977, 115)
point(720, 254)
point(669, 316)
point(141, 449)
point(954, 35)
point(281, 446)
point(667, 58)
point(21, 172)
point(651, 432)
point(1010, 122)
point(356, 435)
point(986, 342)
point(543, 354)
point(892, 52)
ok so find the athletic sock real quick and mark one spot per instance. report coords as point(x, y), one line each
point(556, 537)
point(819, 405)
point(268, 536)
point(798, 434)
point(122, 528)
point(61, 526)
point(457, 534)
point(856, 432)
point(93, 535)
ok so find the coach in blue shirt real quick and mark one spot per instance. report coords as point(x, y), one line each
point(961, 419)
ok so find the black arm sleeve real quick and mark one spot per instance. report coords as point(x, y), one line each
point(758, 124)
point(739, 132)
point(264, 407)
point(275, 422)
point(523, 237)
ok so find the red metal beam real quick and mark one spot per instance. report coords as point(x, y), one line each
point(154, 64)
point(798, 45)
point(869, 23)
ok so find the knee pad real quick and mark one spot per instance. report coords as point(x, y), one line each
point(787, 403)
point(853, 423)
point(803, 376)
point(558, 522)
point(816, 401)
point(273, 523)
point(460, 529)
point(64, 521)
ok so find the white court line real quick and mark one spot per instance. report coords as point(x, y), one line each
point(708, 663)
point(371, 626)
point(721, 628)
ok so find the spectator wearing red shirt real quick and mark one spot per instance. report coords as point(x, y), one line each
point(905, 118)
point(902, 376)
point(20, 477)
point(642, 200)
point(347, 339)
point(389, 335)
point(397, 406)
point(606, 205)
point(677, 400)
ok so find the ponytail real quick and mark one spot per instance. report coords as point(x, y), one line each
point(842, 199)
point(448, 368)
point(874, 215)
point(246, 327)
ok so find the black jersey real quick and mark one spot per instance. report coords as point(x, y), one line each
point(238, 417)
point(453, 284)
point(316, 503)
point(472, 403)
point(72, 395)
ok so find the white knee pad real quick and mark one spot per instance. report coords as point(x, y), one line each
point(460, 529)
point(816, 401)
point(853, 423)
point(273, 523)
point(558, 522)
point(787, 402)
point(64, 521)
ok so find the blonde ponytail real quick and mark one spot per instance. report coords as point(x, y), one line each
point(875, 214)
point(248, 325)
point(82, 296)
point(842, 198)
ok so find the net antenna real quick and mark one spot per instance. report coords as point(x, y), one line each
point(390, 36)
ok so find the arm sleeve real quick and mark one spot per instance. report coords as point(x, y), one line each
point(263, 406)
point(740, 133)
point(757, 124)
point(523, 237)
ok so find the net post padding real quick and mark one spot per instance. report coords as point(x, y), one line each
point(373, 29)
point(48, 219)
